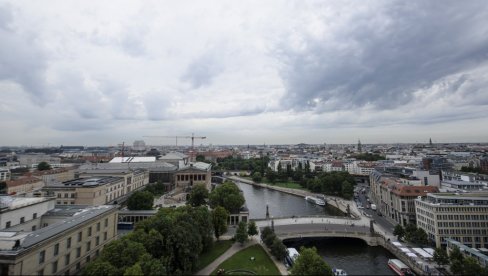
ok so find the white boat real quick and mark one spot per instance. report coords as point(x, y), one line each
point(399, 267)
point(339, 272)
point(315, 200)
point(291, 256)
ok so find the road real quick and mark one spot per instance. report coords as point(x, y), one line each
point(380, 220)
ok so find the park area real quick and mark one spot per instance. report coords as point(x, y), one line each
point(208, 257)
point(250, 261)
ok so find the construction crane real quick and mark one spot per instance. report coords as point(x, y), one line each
point(192, 137)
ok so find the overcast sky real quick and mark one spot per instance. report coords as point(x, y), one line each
point(243, 72)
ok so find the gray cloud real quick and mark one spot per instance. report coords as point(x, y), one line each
point(22, 60)
point(383, 62)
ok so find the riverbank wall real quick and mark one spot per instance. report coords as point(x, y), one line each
point(337, 202)
point(418, 269)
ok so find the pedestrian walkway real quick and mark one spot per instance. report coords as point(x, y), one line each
point(236, 247)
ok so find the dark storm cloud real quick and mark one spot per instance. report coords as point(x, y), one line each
point(21, 59)
point(382, 59)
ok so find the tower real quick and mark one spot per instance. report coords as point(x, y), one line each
point(359, 145)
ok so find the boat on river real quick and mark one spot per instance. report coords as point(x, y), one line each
point(292, 255)
point(315, 200)
point(399, 267)
point(339, 272)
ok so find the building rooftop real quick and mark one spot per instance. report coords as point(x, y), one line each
point(91, 182)
point(19, 202)
point(14, 242)
point(132, 159)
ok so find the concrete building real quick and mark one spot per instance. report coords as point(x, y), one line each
point(196, 173)
point(4, 174)
point(462, 186)
point(467, 251)
point(32, 160)
point(23, 213)
point(88, 191)
point(70, 237)
point(24, 186)
point(426, 178)
point(461, 217)
point(55, 175)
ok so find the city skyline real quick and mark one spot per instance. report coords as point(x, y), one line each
point(243, 73)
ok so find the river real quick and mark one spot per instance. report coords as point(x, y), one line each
point(280, 204)
point(352, 255)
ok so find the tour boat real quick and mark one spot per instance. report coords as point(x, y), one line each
point(291, 256)
point(339, 272)
point(399, 267)
point(315, 200)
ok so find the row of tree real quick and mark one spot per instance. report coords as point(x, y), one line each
point(411, 233)
point(275, 245)
point(459, 265)
point(168, 243)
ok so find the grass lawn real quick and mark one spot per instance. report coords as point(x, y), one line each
point(208, 257)
point(262, 264)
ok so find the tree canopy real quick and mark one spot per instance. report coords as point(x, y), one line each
point(198, 195)
point(140, 200)
point(310, 263)
point(43, 166)
point(228, 196)
point(241, 232)
point(219, 220)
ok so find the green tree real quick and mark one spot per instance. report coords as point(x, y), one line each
point(421, 236)
point(228, 196)
point(271, 175)
point(198, 195)
point(241, 233)
point(257, 177)
point(278, 249)
point(252, 229)
point(457, 267)
point(440, 257)
point(399, 231)
point(347, 190)
point(471, 266)
point(122, 253)
point(98, 267)
point(140, 200)
point(200, 158)
point(266, 232)
point(219, 220)
point(456, 255)
point(410, 232)
point(135, 270)
point(310, 263)
point(43, 166)
point(151, 266)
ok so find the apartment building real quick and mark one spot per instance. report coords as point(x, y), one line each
point(55, 175)
point(134, 179)
point(71, 236)
point(23, 213)
point(395, 196)
point(461, 217)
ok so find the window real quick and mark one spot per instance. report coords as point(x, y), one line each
point(80, 236)
point(88, 246)
point(78, 266)
point(55, 267)
point(40, 272)
point(98, 226)
point(56, 249)
point(106, 222)
point(22, 219)
point(88, 259)
point(89, 231)
point(66, 195)
point(104, 236)
point(68, 242)
point(66, 259)
point(42, 256)
point(34, 227)
point(78, 252)
point(34, 216)
point(97, 241)
point(7, 225)
point(59, 195)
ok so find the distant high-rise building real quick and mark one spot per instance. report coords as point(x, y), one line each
point(359, 145)
point(430, 141)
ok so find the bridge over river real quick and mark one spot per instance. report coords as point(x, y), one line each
point(321, 226)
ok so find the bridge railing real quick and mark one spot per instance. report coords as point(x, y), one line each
point(307, 216)
point(338, 232)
